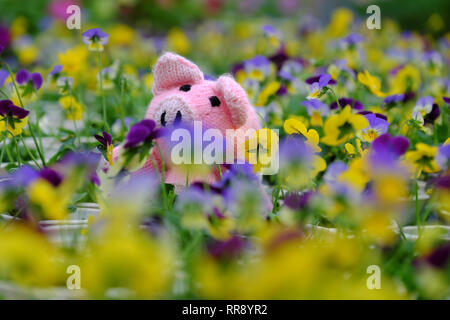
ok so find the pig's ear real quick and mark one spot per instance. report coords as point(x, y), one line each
point(173, 70)
point(235, 98)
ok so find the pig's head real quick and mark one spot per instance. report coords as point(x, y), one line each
point(182, 95)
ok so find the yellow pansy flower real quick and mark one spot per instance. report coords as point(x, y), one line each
point(371, 82)
point(423, 158)
point(261, 148)
point(269, 90)
point(294, 126)
point(341, 127)
point(72, 107)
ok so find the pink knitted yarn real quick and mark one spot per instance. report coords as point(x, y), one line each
point(234, 112)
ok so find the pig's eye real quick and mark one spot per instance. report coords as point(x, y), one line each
point(215, 102)
point(185, 87)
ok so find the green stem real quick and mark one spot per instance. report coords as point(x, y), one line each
point(41, 155)
point(38, 118)
point(163, 170)
point(29, 152)
point(100, 76)
point(122, 103)
point(4, 141)
point(19, 158)
point(335, 97)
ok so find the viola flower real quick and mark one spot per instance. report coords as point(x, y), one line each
point(106, 146)
point(316, 109)
point(351, 40)
point(393, 99)
point(446, 100)
point(313, 79)
point(16, 117)
point(290, 70)
point(294, 126)
point(298, 164)
point(423, 159)
point(351, 150)
point(257, 68)
point(377, 126)
point(272, 34)
point(95, 39)
point(443, 156)
point(74, 110)
point(142, 132)
point(423, 107)
point(55, 72)
point(317, 87)
point(341, 127)
point(269, 90)
point(397, 146)
point(65, 84)
point(371, 82)
point(23, 77)
point(3, 76)
point(343, 102)
point(433, 115)
point(261, 149)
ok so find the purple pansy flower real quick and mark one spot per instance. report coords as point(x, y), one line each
point(423, 106)
point(95, 38)
point(333, 171)
point(433, 115)
point(446, 100)
point(55, 178)
point(352, 39)
point(37, 80)
point(355, 104)
point(143, 131)
point(313, 79)
point(258, 63)
point(443, 157)
point(7, 108)
point(22, 77)
point(316, 88)
point(395, 146)
point(228, 249)
point(105, 139)
point(377, 126)
point(3, 76)
point(296, 201)
point(316, 109)
point(393, 99)
point(56, 70)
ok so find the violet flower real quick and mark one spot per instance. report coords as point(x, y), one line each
point(317, 87)
point(23, 77)
point(8, 109)
point(51, 176)
point(355, 104)
point(95, 39)
point(142, 132)
point(423, 106)
point(377, 126)
point(443, 157)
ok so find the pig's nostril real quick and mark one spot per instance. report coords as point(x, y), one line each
point(177, 118)
point(163, 119)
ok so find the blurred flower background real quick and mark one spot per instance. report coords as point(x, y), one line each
point(364, 149)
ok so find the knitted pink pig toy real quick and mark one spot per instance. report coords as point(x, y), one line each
point(182, 95)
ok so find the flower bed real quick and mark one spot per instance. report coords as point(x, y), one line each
point(358, 119)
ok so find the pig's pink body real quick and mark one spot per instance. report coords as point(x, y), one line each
point(172, 101)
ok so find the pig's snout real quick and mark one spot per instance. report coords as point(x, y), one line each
point(173, 110)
